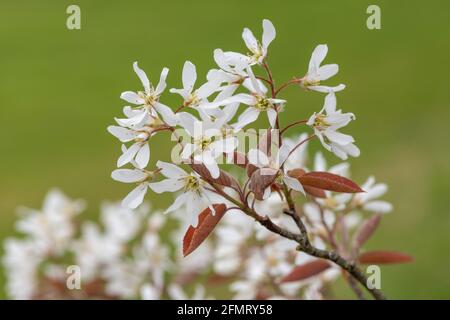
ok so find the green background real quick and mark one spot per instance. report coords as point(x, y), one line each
point(59, 90)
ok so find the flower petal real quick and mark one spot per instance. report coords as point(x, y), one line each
point(167, 185)
point(269, 33)
point(128, 175)
point(142, 76)
point(189, 76)
point(143, 156)
point(135, 197)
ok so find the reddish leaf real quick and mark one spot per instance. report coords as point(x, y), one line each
point(206, 223)
point(259, 182)
point(329, 181)
point(224, 179)
point(306, 270)
point(315, 192)
point(365, 231)
point(384, 257)
point(296, 173)
point(251, 169)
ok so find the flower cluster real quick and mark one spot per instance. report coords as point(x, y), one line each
point(210, 132)
point(223, 169)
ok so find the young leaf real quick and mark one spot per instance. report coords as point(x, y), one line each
point(259, 182)
point(384, 257)
point(224, 179)
point(329, 181)
point(206, 223)
point(365, 231)
point(315, 192)
point(306, 270)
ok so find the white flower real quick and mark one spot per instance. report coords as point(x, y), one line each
point(194, 98)
point(139, 150)
point(372, 191)
point(256, 100)
point(149, 98)
point(317, 73)
point(52, 227)
point(258, 50)
point(327, 122)
point(272, 166)
point(195, 197)
point(139, 176)
point(208, 142)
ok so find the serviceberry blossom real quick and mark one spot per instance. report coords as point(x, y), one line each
point(326, 124)
point(195, 196)
point(275, 214)
point(317, 73)
point(148, 99)
point(194, 98)
point(258, 50)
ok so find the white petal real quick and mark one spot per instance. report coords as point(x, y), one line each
point(167, 185)
point(166, 113)
point(293, 184)
point(318, 55)
point(189, 76)
point(142, 76)
point(272, 116)
point(207, 89)
point(248, 116)
point(269, 33)
point(123, 134)
point(128, 175)
point(162, 82)
point(211, 164)
point(283, 153)
point(135, 197)
point(378, 206)
point(225, 145)
point(258, 158)
point(339, 138)
point(189, 123)
point(330, 103)
point(250, 40)
point(170, 170)
point(255, 84)
point(319, 162)
point(132, 97)
point(143, 156)
point(327, 71)
point(128, 155)
point(179, 201)
point(376, 191)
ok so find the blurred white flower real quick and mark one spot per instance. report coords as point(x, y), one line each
point(372, 191)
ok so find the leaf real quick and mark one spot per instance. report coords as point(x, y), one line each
point(306, 270)
point(224, 178)
point(259, 182)
point(365, 231)
point(329, 181)
point(384, 257)
point(315, 192)
point(206, 223)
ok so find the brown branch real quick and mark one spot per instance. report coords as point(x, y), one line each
point(304, 244)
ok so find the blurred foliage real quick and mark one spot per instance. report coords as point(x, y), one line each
point(59, 89)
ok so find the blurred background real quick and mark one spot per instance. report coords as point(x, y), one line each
point(59, 90)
